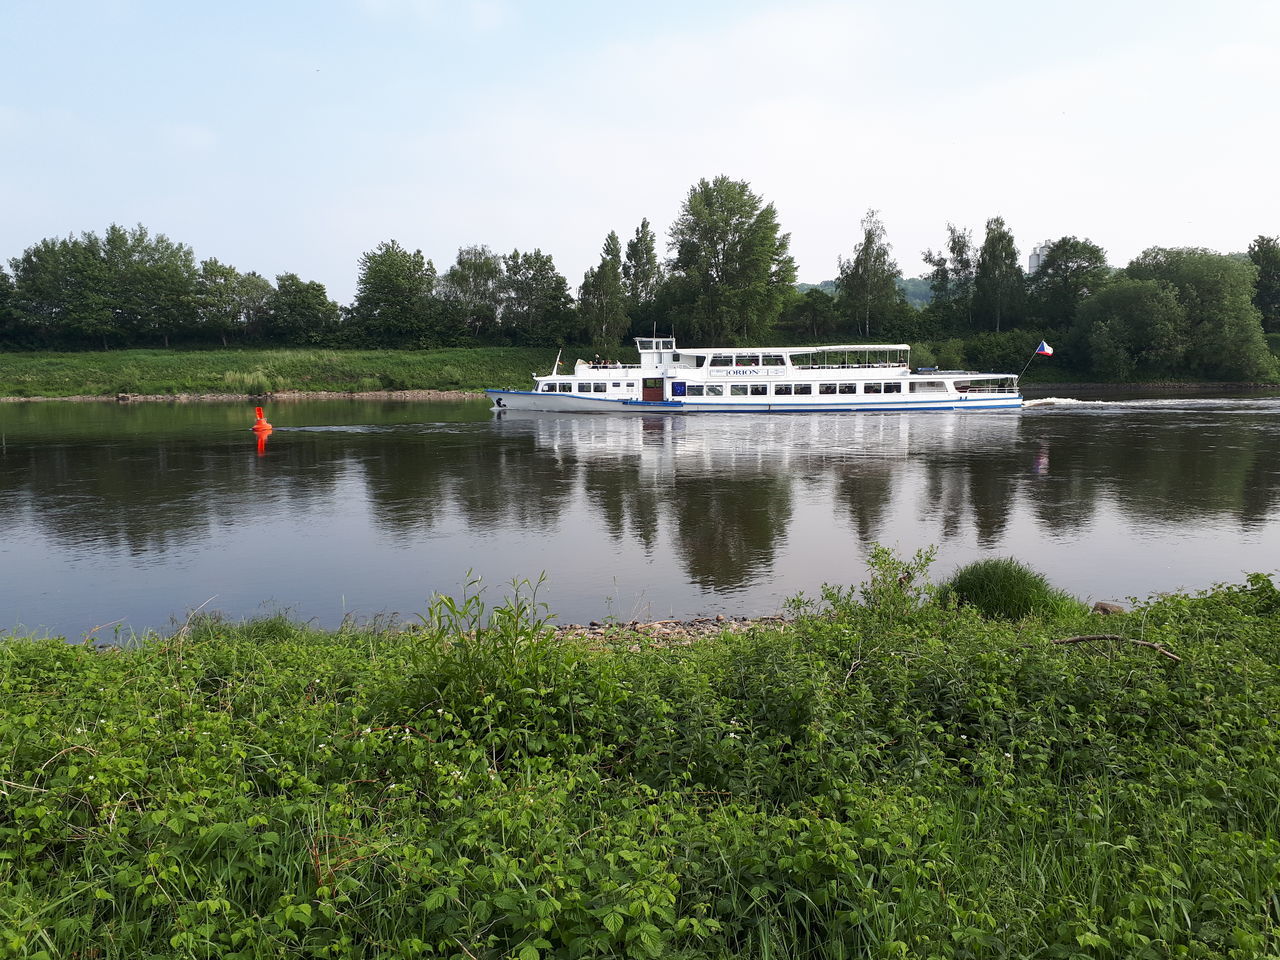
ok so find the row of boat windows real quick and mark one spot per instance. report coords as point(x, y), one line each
point(594, 386)
point(753, 389)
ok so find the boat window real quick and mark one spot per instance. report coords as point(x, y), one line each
point(872, 387)
point(748, 360)
point(666, 344)
point(721, 360)
point(782, 389)
point(774, 360)
point(566, 387)
point(644, 344)
point(928, 386)
point(598, 387)
point(737, 389)
point(617, 383)
point(828, 388)
point(759, 389)
point(715, 390)
point(893, 388)
point(693, 390)
point(584, 387)
point(699, 361)
point(548, 388)
point(631, 384)
point(804, 389)
point(848, 388)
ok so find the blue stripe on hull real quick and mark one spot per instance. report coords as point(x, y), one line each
point(578, 403)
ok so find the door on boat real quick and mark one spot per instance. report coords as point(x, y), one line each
point(651, 388)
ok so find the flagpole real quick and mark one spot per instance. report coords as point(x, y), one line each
point(1034, 353)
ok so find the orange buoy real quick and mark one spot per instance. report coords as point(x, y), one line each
point(261, 422)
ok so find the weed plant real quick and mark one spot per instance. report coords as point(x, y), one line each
point(885, 776)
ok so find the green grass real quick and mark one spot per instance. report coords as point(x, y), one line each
point(258, 371)
point(887, 777)
point(1004, 588)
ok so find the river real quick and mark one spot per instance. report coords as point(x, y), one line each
point(123, 518)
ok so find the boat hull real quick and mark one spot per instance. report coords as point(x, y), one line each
point(572, 403)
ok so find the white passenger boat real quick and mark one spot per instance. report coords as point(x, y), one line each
point(761, 379)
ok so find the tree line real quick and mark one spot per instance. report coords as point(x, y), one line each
point(727, 278)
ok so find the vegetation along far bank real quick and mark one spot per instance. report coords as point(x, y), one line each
point(214, 373)
point(985, 769)
point(728, 278)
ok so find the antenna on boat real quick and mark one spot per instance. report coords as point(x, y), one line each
point(556, 368)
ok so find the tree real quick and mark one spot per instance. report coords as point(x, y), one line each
point(217, 300)
point(812, 315)
point(868, 283)
point(1133, 328)
point(536, 305)
point(730, 267)
point(951, 281)
point(1265, 254)
point(473, 285)
point(299, 312)
point(1225, 338)
point(394, 303)
point(1071, 270)
point(641, 271)
point(998, 285)
point(602, 298)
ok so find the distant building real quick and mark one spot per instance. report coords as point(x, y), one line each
point(1037, 256)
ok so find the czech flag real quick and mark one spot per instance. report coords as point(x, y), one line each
point(1044, 350)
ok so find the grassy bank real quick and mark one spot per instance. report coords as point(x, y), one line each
point(261, 371)
point(888, 776)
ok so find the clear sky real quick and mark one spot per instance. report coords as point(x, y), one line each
point(282, 135)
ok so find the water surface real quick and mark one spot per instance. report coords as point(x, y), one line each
point(126, 517)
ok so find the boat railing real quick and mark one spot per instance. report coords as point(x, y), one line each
point(985, 388)
point(847, 366)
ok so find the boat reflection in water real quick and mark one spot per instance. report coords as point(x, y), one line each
point(733, 493)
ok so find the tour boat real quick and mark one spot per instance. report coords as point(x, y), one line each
point(864, 377)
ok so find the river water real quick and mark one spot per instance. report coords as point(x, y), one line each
point(120, 518)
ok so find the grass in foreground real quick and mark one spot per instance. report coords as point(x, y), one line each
point(263, 371)
point(890, 776)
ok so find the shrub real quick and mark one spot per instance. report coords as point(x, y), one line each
point(1002, 588)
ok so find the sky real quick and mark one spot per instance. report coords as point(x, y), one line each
point(289, 136)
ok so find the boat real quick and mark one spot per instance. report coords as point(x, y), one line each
point(845, 378)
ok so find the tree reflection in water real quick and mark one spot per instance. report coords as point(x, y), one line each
point(693, 507)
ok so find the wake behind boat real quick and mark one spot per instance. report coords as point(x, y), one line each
point(759, 380)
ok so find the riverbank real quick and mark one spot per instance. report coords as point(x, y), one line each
point(172, 375)
point(883, 776)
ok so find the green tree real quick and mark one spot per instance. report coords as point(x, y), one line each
point(998, 284)
point(253, 294)
point(299, 312)
point(217, 300)
point(602, 298)
point(730, 269)
point(1133, 328)
point(1264, 252)
point(951, 281)
point(473, 286)
point(1225, 338)
point(394, 302)
point(61, 292)
point(641, 270)
point(868, 283)
point(811, 315)
point(1072, 269)
point(536, 306)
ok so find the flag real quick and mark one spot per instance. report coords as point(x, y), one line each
point(1044, 350)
